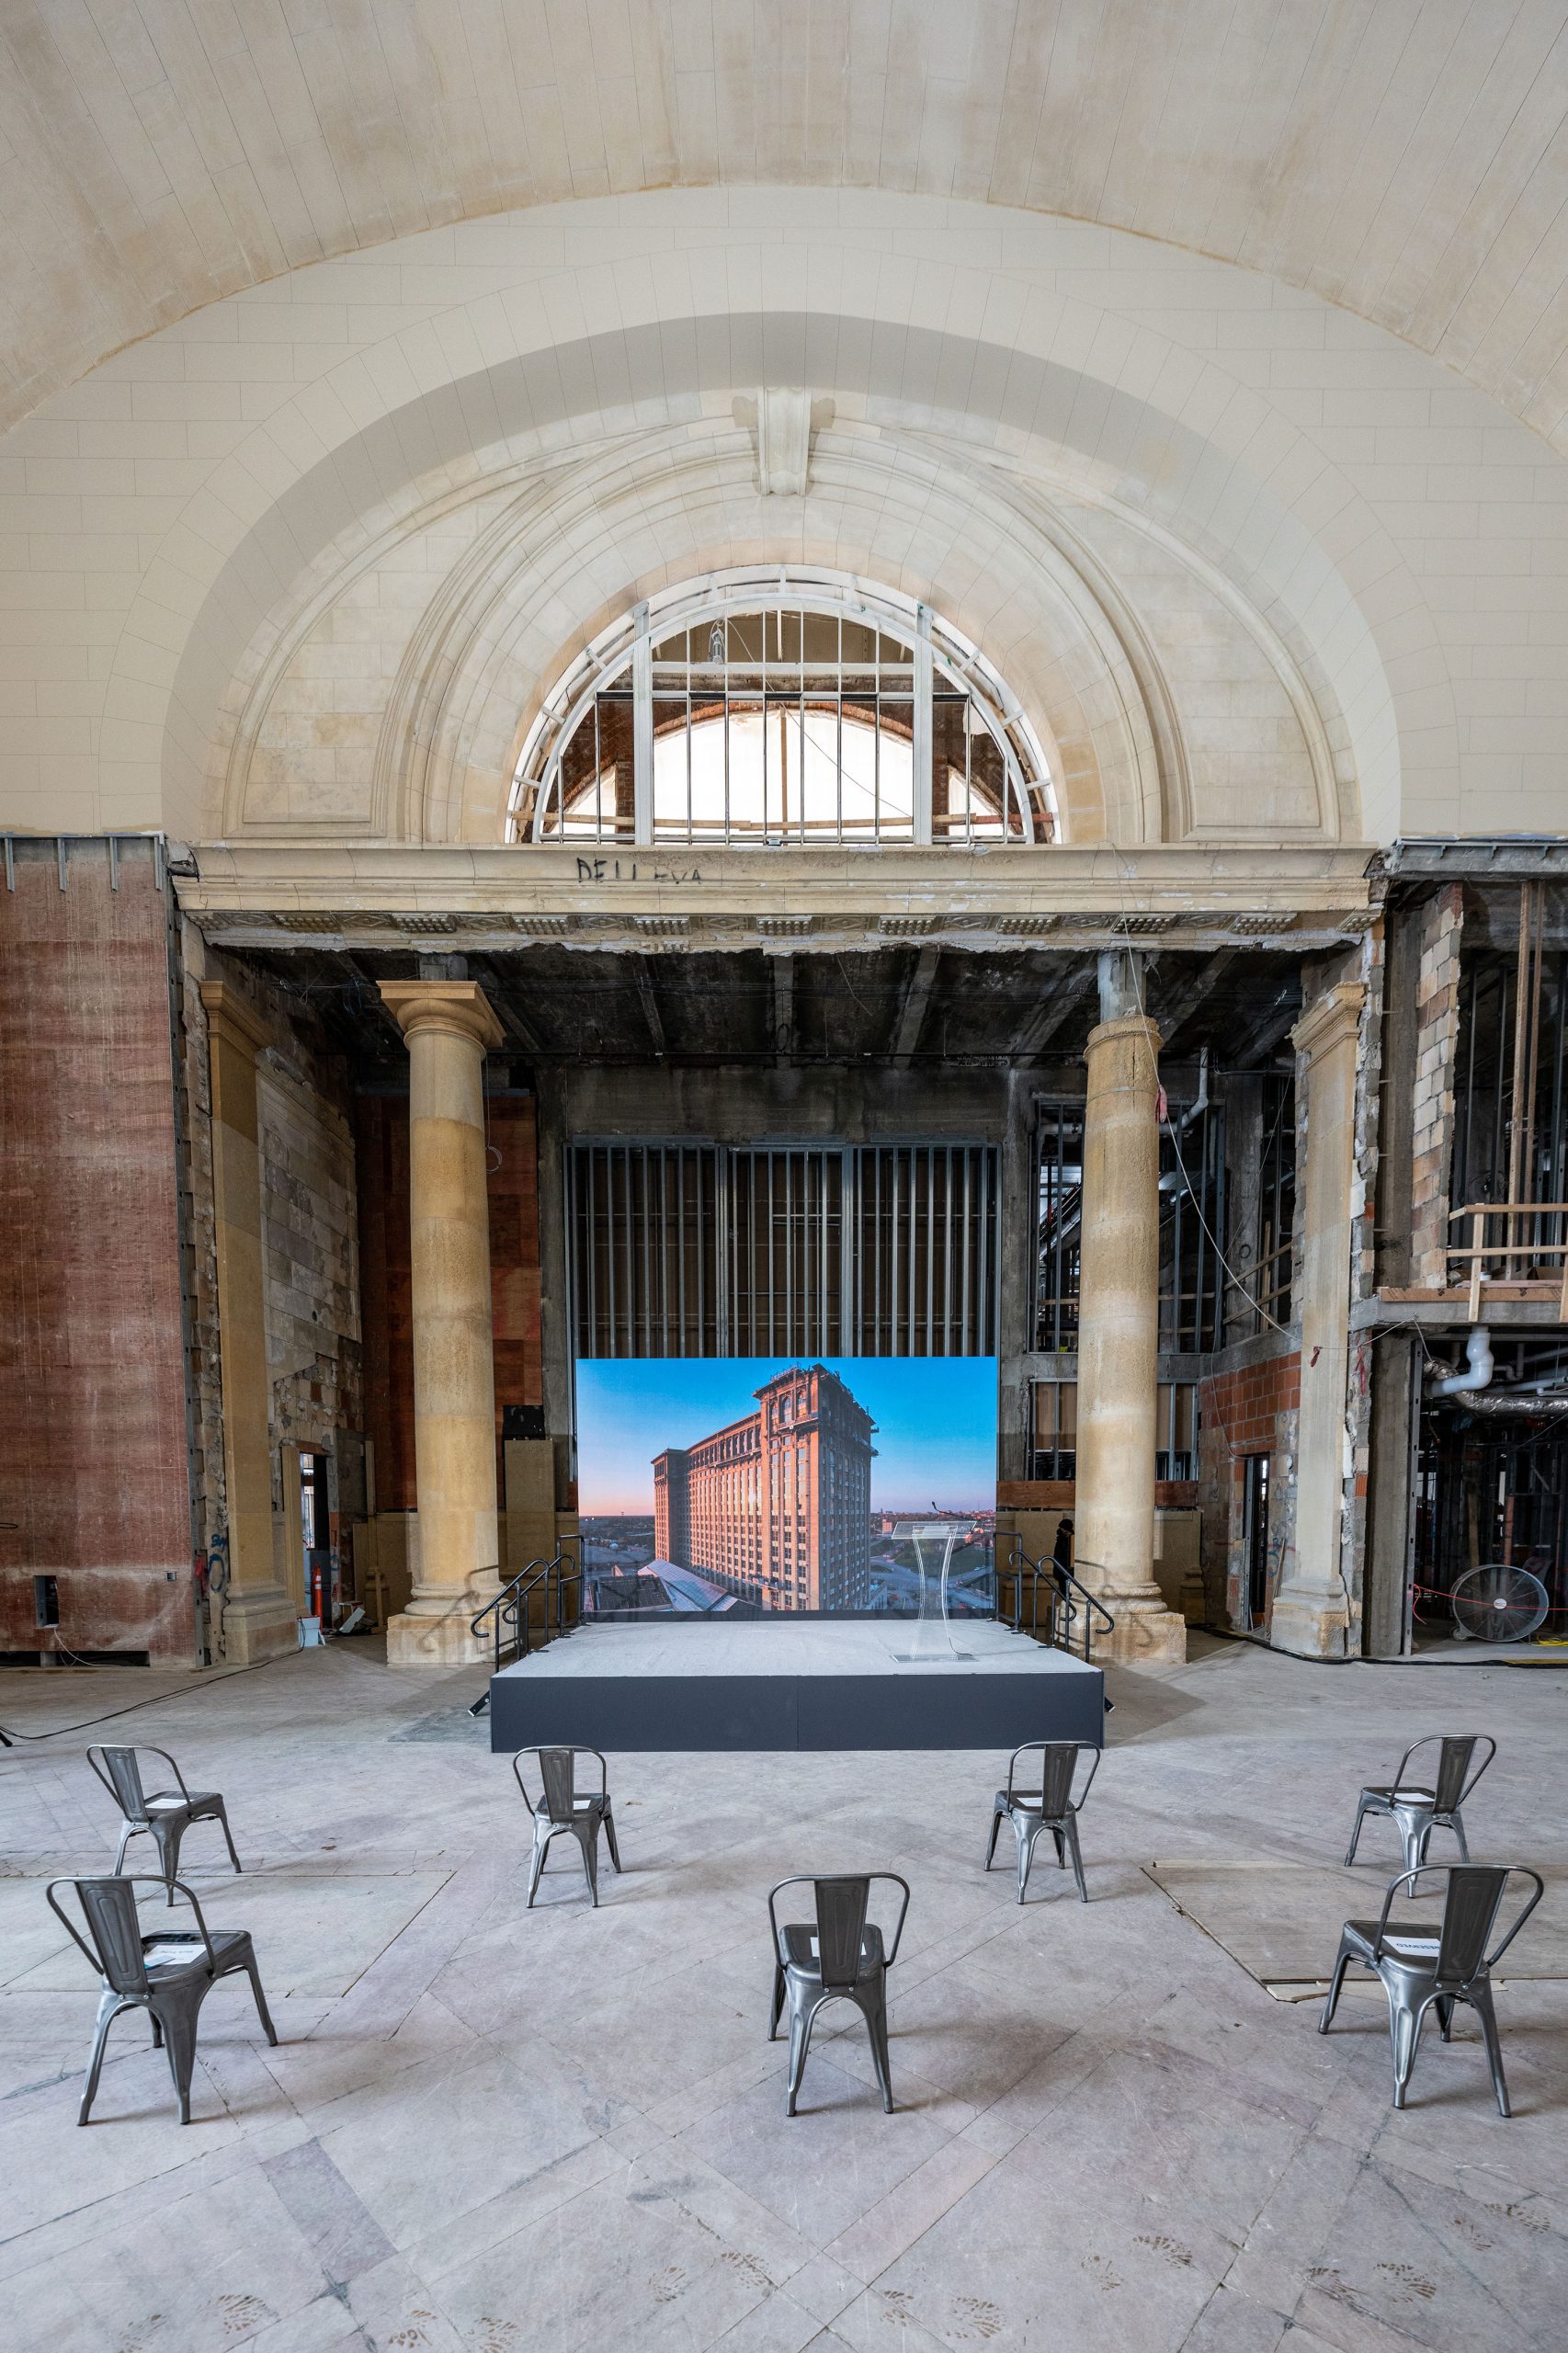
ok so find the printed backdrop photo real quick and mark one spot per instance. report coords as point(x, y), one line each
point(746, 1484)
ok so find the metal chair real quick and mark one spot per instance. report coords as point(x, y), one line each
point(1051, 1807)
point(1417, 1811)
point(168, 1972)
point(1421, 1969)
point(167, 1813)
point(562, 1808)
point(838, 1956)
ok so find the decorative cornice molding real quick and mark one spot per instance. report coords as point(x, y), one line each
point(1334, 1018)
point(449, 1009)
point(229, 1016)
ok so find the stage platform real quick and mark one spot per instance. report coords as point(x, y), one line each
point(796, 1683)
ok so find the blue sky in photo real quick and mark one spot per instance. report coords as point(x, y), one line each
point(935, 1421)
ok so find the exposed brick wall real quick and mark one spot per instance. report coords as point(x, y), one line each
point(382, 1136)
point(1437, 1044)
point(1250, 1409)
point(94, 1469)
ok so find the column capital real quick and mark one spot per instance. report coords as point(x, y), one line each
point(234, 1019)
point(1126, 1025)
point(449, 1009)
point(1334, 1017)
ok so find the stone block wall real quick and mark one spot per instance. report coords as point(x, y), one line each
point(1437, 1044)
point(309, 1237)
point(94, 1477)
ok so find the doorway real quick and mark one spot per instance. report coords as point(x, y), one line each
point(316, 1537)
point(1255, 1535)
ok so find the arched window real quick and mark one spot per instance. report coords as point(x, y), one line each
point(781, 707)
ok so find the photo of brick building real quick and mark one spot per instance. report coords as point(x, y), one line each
point(776, 1507)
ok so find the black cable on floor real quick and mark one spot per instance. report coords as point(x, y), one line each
point(9, 1738)
point(1312, 1658)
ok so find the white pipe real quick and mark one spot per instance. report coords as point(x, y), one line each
point(1478, 1348)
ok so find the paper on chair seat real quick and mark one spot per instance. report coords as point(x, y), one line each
point(175, 1951)
point(1412, 1947)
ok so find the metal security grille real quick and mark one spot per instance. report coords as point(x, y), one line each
point(1192, 1209)
point(645, 1250)
point(925, 1268)
point(702, 1250)
point(786, 1266)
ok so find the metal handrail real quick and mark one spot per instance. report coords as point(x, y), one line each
point(509, 1610)
point(563, 1578)
point(1064, 1610)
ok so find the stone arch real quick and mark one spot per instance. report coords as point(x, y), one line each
point(267, 511)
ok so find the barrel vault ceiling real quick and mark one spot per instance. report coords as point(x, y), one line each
point(1403, 158)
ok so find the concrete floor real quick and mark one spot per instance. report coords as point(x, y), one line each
point(490, 2132)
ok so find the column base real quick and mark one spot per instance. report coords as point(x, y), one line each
point(259, 1622)
point(1147, 1634)
point(437, 1631)
point(1309, 1625)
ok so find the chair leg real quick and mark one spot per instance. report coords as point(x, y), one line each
point(1334, 1985)
point(608, 1820)
point(1027, 1833)
point(1457, 1825)
point(991, 1843)
point(253, 1973)
point(1404, 2030)
point(179, 2041)
point(110, 2008)
point(541, 1845)
point(1060, 1844)
point(166, 1835)
point(777, 2011)
point(1481, 2003)
point(127, 1833)
point(1355, 1834)
point(589, 1840)
point(802, 2015)
point(873, 2005)
point(1070, 1830)
point(1445, 2009)
point(222, 1817)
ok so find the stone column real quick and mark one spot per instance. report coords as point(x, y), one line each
point(257, 1612)
point(1312, 1614)
point(1119, 1329)
point(448, 1025)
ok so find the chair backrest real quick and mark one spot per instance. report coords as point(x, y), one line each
point(1058, 1763)
point(1476, 1892)
point(841, 1925)
point(109, 1906)
point(1454, 1779)
point(120, 1773)
point(558, 1771)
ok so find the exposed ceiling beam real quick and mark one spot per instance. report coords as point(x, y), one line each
point(1171, 1013)
point(1066, 1000)
point(498, 993)
point(1263, 1039)
point(650, 1013)
point(783, 1008)
point(910, 1018)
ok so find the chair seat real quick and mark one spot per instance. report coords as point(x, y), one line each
point(1412, 1942)
point(1025, 1801)
point(1401, 1797)
point(162, 1961)
point(798, 1939)
point(581, 1809)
